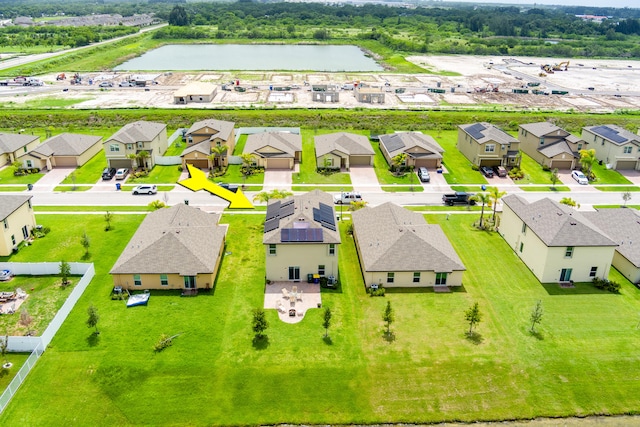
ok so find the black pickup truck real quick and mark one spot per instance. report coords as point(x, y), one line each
point(458, 198)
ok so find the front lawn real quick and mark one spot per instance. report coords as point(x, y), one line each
point(458, 167)
point(308, 168)
point(608, 176)
point(385, 176)
point(90, 172)
point(158, 175)
point(234, 175)
point(7, 177)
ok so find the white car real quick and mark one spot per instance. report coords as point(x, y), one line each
point(126, 84)
point(145, 189)
point(106, 84)
point(579, 176)
point(122, 173)
point(347, 198)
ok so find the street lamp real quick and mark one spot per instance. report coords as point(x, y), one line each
point(341, 202)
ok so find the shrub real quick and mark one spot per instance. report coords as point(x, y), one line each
point(180, 168)
point(546, 168)
point(516, 173)
point(606, 285)
point(376, 292)
point(475, 167)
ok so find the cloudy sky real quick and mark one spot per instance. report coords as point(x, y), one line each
point(612, 3)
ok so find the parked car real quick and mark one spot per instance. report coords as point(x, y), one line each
point(106, 84)
point(423, 174)
point(145, 189)
point(458, 198)
point(501, 171)
point(126, 84)
point(487, 171)
point(579, 176)
point(108, 173)
point(347, 197)
point(122, 173)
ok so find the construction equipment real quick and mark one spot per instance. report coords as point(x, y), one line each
point(547, 68)
point(61, 76)
point(563, 66)
point(489, 88)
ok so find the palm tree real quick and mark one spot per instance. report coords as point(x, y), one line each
point(495, 195)
point(485, 199)
point(588, 159)
point(247, 160)
point(134, 160)
point(265, 196)
point(142, 157)
point(217, 152)
point(398, 161)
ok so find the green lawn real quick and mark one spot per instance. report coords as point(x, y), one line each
point(71, 187)
point(617, 188)
point(90, 172)
point(608, 176)
point(386, 177)
point(176, 148)
point(13, 187)
point(403, 188)
point(234, 175)
point(6, 177)
point(580, 363)
point(457, 165)
point(100, 209)
point(158, 175)
point(308, 171)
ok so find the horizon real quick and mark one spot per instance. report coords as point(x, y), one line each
point(633, 4)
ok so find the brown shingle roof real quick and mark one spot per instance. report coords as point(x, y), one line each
point(391, 238)
point(348, 143)
point(556, 224)
point(66, 144)
point(140, 131)
point(287, 143)
point(10, 142)
point(623, 226)
point(221, 128)
point(178, 240)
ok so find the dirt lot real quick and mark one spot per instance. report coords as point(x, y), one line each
point(460, 82)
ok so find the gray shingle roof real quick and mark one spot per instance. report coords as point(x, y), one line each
point(488, 134)
point(203, 147)
point(303, 212)
point(286, 143)
point(623, 226)
point(402, 142)
point(10, 142)
point(541, 128)
point(9, 203)
point(391, 238)
point(556, 224)
point(614, 134)
point(556, 148)
point(67, 144)
point(348, 143)
point(140, 131)
point(178, 240)
point(221, 129)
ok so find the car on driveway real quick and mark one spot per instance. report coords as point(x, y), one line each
point(579, 177)
point(487, 171)
point(108, 173)
point(122, 173)
point(145, 189)
point(106, 84)
point(423, 174)
point(501, 171)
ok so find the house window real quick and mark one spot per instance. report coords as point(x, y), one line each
point(593, 272)
point(390, 277)
point(189, 282)
point(29, 163)
point(272, 249)
point(416, 277)
point(129, 146)
point(140, 144)
point(13, 239)
point(489, 148)
point(565, 274)
point(524, 228)
point(568, 253)
point(542, 140)
point(24, 149)
point(164, 280)
point(627, 150)
point(29, 204)
point(114, 148)
point(521, 247)
point(332, 249)
point(441, 279)
point(321, 270)
point(579, 147)
point(136, 280)
point(6, 223)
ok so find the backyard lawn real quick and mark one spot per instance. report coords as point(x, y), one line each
point(458, 167)
point(583, 360)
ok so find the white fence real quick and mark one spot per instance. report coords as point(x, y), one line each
point(168, 160)
point(37, 344)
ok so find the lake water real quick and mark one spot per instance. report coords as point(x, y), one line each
point(327, 58)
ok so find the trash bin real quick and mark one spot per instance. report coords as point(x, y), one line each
point(309, 278)
point(118, 186)
point(484, 187)
point(186, 202)
point(29, 187)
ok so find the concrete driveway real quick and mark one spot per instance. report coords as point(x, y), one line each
point(278, 179)
point(364, 179)
point(52, 179)
point(567, 180)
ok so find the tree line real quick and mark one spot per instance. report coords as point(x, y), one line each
point(51, 36)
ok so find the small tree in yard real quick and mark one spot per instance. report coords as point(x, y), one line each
point(626, 196)
point(397, 162)
point(108, 216)
point(388, 317)
point(555, 178)
point(92, 320)
point(26, 320)
point(327, 321)
point(536, 316)
point(473, 316)
point(260, 323)
point(483, 198)
point(65, 272)
point(86, 244)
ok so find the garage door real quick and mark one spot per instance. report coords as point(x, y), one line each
point(490, 162)
point(66, 161)
point(120, 163)
point(360, 160)
point(426, 163)
point(626, 165)
point(561, 164)
point(278, 164)
point(199, 163)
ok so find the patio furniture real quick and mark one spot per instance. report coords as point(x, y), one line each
point(294, 289)
point(285, 293)
point(299, 296)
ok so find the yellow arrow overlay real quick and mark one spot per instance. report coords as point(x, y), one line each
point(198, 181)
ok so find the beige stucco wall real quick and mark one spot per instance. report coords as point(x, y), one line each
point(475, 152)
point(625, 267)
point(305, 256)
point(18, 219)
point(546, 263)
point(122, 154)
point(608, 152)
point(404, 279)
point(8, 158)
point(336, 160)
point(35, 162)
point(159, 146)
point(152, 281)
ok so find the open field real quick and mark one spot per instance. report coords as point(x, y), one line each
point(581, 362)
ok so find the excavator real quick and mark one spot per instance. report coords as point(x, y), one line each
point(563, 66)
point(547, 68)
point(489, 88)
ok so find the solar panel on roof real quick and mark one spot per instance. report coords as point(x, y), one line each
point(393, 142)
point(301, 235)
point(273, 210)
point(317, 215)
point(287, 202)
point(287, 210)
point(326, 214)
point(611, 134)
point(271, 224)
point(475, 131)
point(329, 226)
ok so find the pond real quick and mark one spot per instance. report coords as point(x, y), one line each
point(328, 58)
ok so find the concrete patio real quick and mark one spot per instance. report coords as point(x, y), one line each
point(309, 298)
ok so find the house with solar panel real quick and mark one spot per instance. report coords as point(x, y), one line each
point(550, 145)
point(615, 146)
point(301, 238)
point(421, 150)
point(485, 144)
point(397, 248)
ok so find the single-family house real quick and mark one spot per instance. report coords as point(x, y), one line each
point(15, 145)
point(131, 140)
point(368, 94)
point(555, 241)
point(325, 93)
point(550, 145)
point(623, 226)
point(485, 144)
point(274, 150)
point(206, 137)
point(614, 146)
point(180, 247)
point(200, 92)
point(421, 150)
point(64, 150)
point(301, 238)
point(343, 150)
point(397, 248)
point(16, 221)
